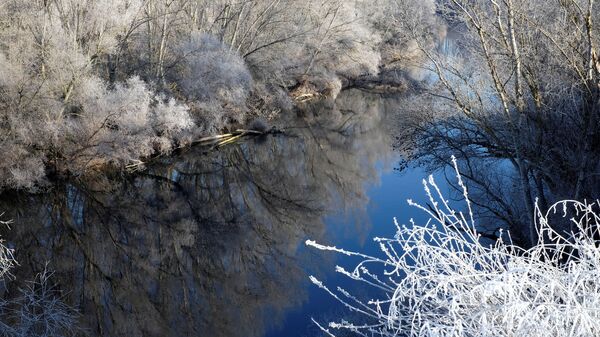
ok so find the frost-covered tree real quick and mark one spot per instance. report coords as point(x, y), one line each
point(520, 89)
point(213, 79)
point(90, 84)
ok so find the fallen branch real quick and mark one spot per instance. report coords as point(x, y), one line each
point(227, 136)
point(213, 141)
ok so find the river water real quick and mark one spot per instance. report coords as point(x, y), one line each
point(212, 244)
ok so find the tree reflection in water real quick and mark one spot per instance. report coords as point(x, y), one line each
point(203, 244)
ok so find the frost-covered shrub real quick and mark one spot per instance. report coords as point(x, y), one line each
point(124, 124)
point(38, 309)
point(7, 260)
point(212, 78)
point(20, 167)
point(347, 44)
point(56, 111)
point(170, 118)
point(440, 279)
point(209, 71)
point(100, 126)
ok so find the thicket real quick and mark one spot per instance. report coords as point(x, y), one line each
point(87, 84)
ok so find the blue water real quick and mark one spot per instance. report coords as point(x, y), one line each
point(387, 198)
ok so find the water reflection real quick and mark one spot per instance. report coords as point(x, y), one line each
point(204, 244)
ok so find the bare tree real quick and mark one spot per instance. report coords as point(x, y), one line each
point(523, 89)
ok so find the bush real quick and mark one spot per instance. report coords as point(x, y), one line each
point(7, 261)
point(212, 79)
point(38, 310)
point(440, 279)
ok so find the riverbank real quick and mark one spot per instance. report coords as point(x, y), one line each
point(78, 100)
point(198, 241)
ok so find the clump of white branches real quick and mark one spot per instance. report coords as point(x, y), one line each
point(441, 279)
point(38, 310)
point(7, 260)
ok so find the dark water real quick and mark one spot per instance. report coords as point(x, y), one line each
point(213, 244)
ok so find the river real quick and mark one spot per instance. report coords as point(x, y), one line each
point(212, 244)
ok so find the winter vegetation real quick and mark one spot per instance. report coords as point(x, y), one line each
point(509, 87)
point(7, 261)
point(38, 309)
point(443, 279)
point(86, 85)
point(514, 93)
point(200, 245)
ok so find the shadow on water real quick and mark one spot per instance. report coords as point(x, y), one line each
point(206, 245)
